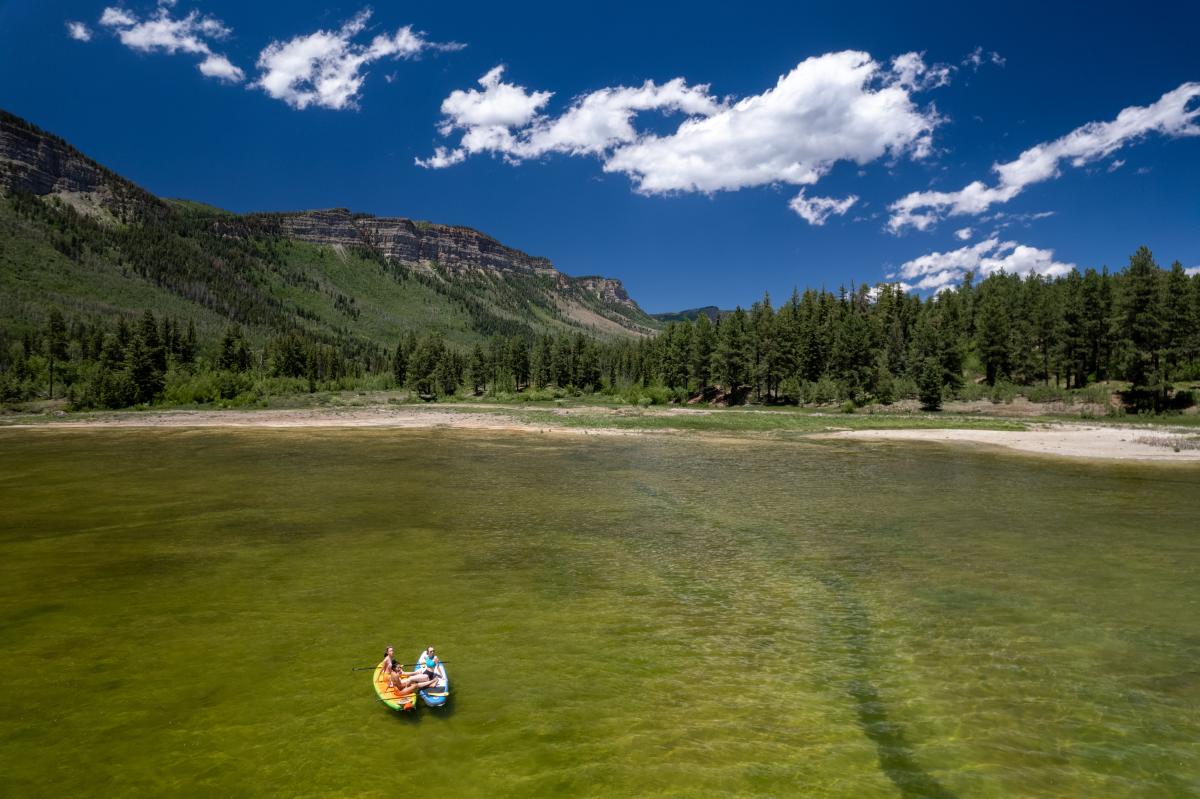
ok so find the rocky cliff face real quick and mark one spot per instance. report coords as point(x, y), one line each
point(40, 163)
point(424, 244)
point(410, 242)
point(608, 289)
point(33, 161)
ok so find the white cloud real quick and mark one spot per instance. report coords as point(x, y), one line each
point(499, 104)
point(443, 158)
point(815, 210)
point(504, 118)
point(1116, 164)
point(220, 67)
point(1195, 270)
point(962, 234)
point(163, 33)
point(326, 68)
point(1174, 114)
point(117, 18)
point(977, 57)
point(912, 73)
point(829, 108)
point(836, 107)
point(79, 31)
point(938, 270)
point(599, 121)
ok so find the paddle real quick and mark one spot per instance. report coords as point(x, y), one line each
point(372, 668)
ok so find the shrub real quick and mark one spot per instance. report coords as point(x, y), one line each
point(905, 388)
point(1003, 392)
point(1097, 394)
point(820, 392)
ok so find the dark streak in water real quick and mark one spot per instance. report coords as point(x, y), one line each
point(896, 757)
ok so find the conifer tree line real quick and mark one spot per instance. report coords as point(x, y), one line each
point(1141, 325)
point(94, 365)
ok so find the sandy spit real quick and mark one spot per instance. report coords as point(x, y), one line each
point(1062, 440)
point(315, 418)
point(1067, 440)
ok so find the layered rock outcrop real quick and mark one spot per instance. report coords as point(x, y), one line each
point(450, 247)
point(411, 242)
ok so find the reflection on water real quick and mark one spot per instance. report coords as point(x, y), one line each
point(182, 609)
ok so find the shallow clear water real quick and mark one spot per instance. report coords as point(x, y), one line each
point(180, 610)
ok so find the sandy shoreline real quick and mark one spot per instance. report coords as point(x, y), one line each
point(1065, 439)
point(1060, 440)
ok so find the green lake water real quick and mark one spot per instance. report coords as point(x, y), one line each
point(657, 616)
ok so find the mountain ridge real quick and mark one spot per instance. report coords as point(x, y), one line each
point(529, 291)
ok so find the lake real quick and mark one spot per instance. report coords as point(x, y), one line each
point(180, 611)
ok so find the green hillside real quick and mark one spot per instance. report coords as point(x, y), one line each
point(201, 264)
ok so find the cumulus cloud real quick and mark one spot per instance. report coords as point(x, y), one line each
point(498, 105)
point(78, 31)
point(829, 108)
point(599, 121)
point(163, 33)
point(963, 233)
point(1195, 270)
point(505, 118)
point(939, 270)
point(815, 210)
point(837, 107)
point(325, 68)
point(1174, 114)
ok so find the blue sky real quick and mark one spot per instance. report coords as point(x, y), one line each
point(728, 175)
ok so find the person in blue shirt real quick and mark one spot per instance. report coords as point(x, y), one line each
point(428, 663)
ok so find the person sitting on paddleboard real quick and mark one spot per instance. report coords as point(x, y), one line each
point(391, 669)
point(428, 662)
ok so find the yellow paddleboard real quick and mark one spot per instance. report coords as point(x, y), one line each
point(387, 694)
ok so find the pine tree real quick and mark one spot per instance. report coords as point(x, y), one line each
point(731, 359)
point(518, 360)
point(187, 346)
point(929, 384)
point(702, 350)
point(1142, 312)
point(56, 342)
point(677, 354)
point(143, 371)
point(1178, 320)
point(234, 355)
point(479, 370)
point(153, 341)
point(400, 361)
point(764, 361)
point(994, 326)
point(291, 356)
point(853, 356)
